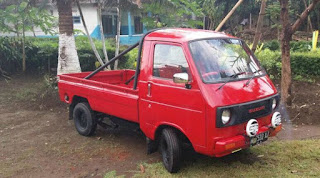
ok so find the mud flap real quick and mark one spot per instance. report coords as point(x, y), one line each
point(71, 107)
point(152, 146)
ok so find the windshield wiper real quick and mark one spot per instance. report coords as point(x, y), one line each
point(231, 77)
point(247, 83)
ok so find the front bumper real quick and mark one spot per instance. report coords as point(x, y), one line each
point(233, 144)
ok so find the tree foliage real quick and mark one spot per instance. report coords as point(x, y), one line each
point(172, 13)
point(23, 16)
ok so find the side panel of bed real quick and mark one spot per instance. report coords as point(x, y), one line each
point(102, 96)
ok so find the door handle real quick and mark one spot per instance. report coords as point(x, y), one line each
point(149, 90)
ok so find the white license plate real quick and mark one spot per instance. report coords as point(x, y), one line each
point(259, 138)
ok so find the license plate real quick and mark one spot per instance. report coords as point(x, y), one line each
point(259, 138)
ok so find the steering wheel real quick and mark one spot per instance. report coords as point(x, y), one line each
point(214, 74)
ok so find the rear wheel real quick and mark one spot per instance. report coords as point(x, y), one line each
point(170, 149)
point(84, 119)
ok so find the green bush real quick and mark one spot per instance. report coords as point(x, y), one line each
point(43, 52)
point(10, 54)
point(306, 63)
point(302, 63)
point(271, 61)
point(300, 46)
point(273, 45)
point(295, 46)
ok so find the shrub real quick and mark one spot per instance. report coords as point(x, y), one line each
point(271, 61)
point(302, 63)
point(273, 45)
point(296, 46)
point(10, 54)
point(42, 53)
point(300, 46)
point(306, 63)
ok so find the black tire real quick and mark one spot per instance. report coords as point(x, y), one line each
point(170, 149)
point(84, 119)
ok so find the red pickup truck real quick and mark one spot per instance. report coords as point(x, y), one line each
point(190, 86)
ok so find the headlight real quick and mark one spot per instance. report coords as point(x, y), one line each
point(252, 127)
point(274, 103)
point(226, 115)
point(276, 119)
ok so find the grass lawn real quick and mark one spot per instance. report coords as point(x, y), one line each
point(299, 158)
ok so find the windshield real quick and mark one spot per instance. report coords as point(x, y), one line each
point(220, 60)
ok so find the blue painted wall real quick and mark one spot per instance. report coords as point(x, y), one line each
point(96, 33)
point(127, 37)
point(129, 40)
point(125, 30)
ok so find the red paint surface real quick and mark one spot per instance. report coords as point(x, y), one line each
point(192, 111)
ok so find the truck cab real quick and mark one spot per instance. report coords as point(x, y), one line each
point(196, 86)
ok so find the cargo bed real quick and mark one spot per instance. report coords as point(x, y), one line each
point(107, 90)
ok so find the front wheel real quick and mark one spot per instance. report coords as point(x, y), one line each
point(170, 150)
point(84, 119)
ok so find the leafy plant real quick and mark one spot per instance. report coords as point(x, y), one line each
point(171, 13)
point(42, 53)
point(20, 16)
point(303, 64)
point(271, 61)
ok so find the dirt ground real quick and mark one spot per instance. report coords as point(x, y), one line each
point(38, 140)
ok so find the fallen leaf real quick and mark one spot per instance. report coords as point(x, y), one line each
point(305, 105)
point(142, 168)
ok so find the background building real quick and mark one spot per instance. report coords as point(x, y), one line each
point(131, 31)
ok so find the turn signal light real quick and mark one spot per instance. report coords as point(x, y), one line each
point(230, 146)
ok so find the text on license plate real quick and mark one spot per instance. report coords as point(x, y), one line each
point(259, 138)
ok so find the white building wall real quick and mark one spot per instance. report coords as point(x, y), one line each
point(89, 12)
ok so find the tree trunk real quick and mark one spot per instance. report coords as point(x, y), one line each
point(106, 59)
point(229, 15)
point(318, 19)
point(118, 36)
point(304, 15)
point(309, 24)
point(286, 37)
point(23, 48)
point(68, 60)
point(34, 33)
point(257, 35)
point(4, 74)
point(204, 22)
point(89, 37)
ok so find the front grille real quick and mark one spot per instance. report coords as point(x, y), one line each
point(255, 110)
point(243, 112)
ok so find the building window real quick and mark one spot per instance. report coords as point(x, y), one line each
point(76, 19)
point(138, 26)
point(107, 24)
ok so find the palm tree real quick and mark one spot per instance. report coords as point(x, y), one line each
point(68, 60)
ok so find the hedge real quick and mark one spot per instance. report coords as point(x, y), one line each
point(40, 52)
point(306, 63)
point(302, 63)
point(295, 46)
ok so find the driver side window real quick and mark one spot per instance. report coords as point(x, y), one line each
point(169, 60)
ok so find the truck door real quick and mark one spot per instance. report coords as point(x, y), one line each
point(165, 102)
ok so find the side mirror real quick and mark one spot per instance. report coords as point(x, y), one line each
point(181, 78)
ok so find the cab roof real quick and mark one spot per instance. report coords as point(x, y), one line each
point(184, 34)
